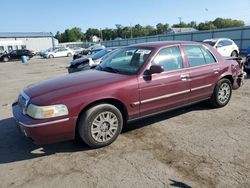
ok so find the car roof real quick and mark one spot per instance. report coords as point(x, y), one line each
point(160, 44)
point(216, 39)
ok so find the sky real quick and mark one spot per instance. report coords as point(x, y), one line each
point(58, 15)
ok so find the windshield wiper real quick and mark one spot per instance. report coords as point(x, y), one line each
point(98, 67)
point(110, 69)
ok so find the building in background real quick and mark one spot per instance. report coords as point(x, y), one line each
point(181, 30)
point(35, 41)
point(96, 39)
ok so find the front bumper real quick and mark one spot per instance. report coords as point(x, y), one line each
point(44, 131)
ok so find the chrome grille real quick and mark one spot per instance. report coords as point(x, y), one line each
point(23, 101)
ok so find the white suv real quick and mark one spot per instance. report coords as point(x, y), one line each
point(225, 46)
point(59, 52)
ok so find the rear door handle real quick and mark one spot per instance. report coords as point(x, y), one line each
point(184, 77)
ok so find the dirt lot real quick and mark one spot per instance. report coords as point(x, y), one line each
point(197, 146)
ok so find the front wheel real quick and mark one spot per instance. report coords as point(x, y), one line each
point(222, 93)
point(234, 54)
point(100, 125)
point(5, 59)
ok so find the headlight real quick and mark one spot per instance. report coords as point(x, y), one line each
point(43, 112)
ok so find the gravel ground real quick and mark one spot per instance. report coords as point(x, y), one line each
point(196, 146)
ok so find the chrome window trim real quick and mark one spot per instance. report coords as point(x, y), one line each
point(43, 124)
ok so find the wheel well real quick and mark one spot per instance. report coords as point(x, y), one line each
point(235, 51)
point(118, 104)
point(229, 77)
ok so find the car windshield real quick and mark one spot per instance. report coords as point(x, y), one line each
point(100, 54)
point(125, 60)
point(211, 43)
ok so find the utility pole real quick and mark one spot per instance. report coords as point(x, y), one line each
point(101, 34)
point(209, 24)
point(131, 32)
point(180, 23)
point(179, 19)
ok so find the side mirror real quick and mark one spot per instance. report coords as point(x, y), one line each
point(155, 69)
point(218, 46)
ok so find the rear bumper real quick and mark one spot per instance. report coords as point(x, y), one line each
point(45, 131)
point(239, 80)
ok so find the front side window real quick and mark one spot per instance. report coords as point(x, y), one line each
point(1, 49)
point(125, 60)
point(227, 43)
point(170, 58)
point(194, 55)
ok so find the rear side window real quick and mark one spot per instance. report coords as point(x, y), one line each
point(209, 58)
point(170, 58)
point(195, 55)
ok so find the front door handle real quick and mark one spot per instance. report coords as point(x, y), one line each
point(184, 77)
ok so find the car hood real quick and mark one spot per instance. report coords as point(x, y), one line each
point(67, 85)
point(79, 61)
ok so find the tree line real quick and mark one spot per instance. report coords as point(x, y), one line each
point(75, 34)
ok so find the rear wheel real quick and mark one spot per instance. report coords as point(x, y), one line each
point(69, 54)
point(222, 93)
point(234, 54)
point(100, 125)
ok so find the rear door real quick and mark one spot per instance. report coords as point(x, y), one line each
point(168, 89)
point(203, 71)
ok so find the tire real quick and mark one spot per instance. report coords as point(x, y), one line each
point(5, 59)
point(234, 54)
point(69, 55)
point(222, 93)
point(100, 125)
point(51, 56)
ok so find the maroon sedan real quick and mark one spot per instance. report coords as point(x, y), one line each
point(134, 82)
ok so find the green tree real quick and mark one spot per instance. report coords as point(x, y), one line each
point(161, 28)
point(181, 25)
point(58, 36)
point(91, 32)
point(72, 35)
point(206, 26)
point(227, 22)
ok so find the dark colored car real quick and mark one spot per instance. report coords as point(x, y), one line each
point(135, 82)
point(16, 55)
point(86, 52)
point(88, 63)
point(247, 64)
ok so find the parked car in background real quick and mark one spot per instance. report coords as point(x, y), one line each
point(225, 46)
point(95, 104)
point(77, 49)
point(86, 53)
point(247, 64)
point(59, 52)
point(81, 64)
point(16, 55)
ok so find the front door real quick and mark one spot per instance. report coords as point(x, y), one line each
point(165, 90)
